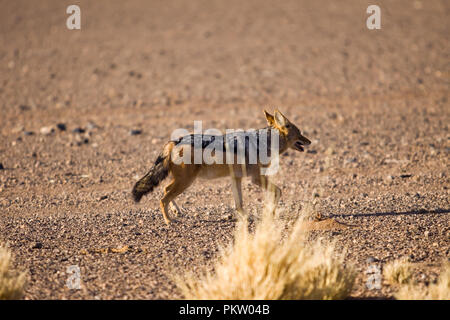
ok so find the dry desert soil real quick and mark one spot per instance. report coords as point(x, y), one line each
point(84, 113)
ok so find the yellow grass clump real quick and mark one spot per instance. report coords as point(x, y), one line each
point(437, 291)
point(11, 283)
point(266, 265)
point(398, 271)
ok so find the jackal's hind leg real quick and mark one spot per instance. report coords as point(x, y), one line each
point(170, 192)
point(176, 187)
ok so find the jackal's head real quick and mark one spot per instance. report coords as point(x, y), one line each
point(288, 130)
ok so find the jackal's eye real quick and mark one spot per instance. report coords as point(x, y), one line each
point(288, 126)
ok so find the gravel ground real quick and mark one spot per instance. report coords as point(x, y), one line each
point(85, 113)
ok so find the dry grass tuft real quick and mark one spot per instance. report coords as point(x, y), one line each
point(263, 265)
point(11, 283)
point(398, 271)
point(437, 291)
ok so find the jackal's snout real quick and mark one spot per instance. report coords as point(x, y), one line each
point(302, 141)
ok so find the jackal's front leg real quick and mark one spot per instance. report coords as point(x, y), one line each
point(273, 193)
point(236, 187)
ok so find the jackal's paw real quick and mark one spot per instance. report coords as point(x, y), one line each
point(171, 221)
point(175, 210)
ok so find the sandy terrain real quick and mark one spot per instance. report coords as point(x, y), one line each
point(374, 103)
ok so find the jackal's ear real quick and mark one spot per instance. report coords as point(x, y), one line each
point(280, 119)
point(270, 118)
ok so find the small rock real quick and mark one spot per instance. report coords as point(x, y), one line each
point(228, 217)
point(28, 133)
point(135, 132)
point(17, 129)
point(1, 166)
point(78, 130)
point(103, 198)
point(37, 245)
point(389, 178)
point(47, 130)
point(330, 151)
point(350, 160)
point(61, 126)
point(333, 115)
point(91, 126)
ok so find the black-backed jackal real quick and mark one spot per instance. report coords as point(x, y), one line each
point(177, 159)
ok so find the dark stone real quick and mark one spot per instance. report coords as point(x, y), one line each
point(61, 126)
point(135, 132)
point(37, 245)
point(78, 130)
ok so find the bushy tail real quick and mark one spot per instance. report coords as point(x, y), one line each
point(158, 172)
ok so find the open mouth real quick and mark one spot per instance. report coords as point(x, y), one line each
point(298, 145)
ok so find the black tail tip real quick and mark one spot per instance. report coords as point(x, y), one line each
point(137, 196)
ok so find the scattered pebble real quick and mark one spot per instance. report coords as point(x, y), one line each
point(37, 245)
point(78, 130)
point(135, 132)
point(350, 160)
point(47, 130)
point(91, 126)
point(61, 126)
